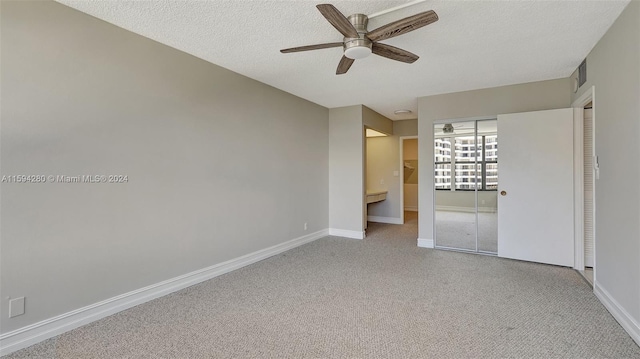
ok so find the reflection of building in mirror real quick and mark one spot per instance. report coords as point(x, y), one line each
point(467, 162)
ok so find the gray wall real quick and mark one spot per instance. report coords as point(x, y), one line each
point(346, 169)
point(484, 103)
point(405, 128)
point(376, 121)
point(613, 67)
point(219, 165)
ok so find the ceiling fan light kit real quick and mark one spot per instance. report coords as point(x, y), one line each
point(357, 51)
point(358, 47)
point(359, 43)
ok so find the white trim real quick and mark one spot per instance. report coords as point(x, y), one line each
point(578, 188)
point(395, 8)
point(411, 208)
point(37, 332)
point(619, 313)
point(455, 209)
point(467, 209)
point(463, 119)
point(585, 98)
point(579, 104)
point(346, 233)
point(389, 220)
point(425, 243)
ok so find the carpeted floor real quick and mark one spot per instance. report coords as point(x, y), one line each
point(381, 297)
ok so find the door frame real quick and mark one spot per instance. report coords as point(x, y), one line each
point(401, 170)
point(578, 105)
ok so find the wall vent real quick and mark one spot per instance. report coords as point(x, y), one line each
point(582, 73)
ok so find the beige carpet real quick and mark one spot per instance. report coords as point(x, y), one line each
point(382, 297)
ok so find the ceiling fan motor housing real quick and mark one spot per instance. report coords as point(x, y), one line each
point(358, 47)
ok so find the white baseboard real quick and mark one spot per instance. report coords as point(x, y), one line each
point(411, 208)
point(34, 333)
point(425, 243)
point(390, 220)
point(456, 209)
point(467, 209)
point(346, 233)
point(622, 316)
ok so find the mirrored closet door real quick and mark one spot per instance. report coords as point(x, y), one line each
point(466, 182)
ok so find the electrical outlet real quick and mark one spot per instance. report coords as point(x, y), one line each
point(382, 181)
point(16, 307)
point(305, 226)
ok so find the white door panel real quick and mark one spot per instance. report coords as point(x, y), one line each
point(535, 217)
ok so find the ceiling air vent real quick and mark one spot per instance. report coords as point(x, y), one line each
point(582, 73)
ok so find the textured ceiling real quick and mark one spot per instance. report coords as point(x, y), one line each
point(475, 44)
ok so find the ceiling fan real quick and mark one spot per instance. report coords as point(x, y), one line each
point(359, 43)
point(449, 128)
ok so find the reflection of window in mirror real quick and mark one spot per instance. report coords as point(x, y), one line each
point(467, 161)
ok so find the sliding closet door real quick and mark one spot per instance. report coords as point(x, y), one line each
point(487, 142)
point(466, 181)
point(535, 201)
point(455, 183)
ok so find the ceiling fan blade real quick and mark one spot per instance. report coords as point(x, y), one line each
point(403, 26)
point(393, 53)
point(338, 20)
point(312, 47)
point(344, 65)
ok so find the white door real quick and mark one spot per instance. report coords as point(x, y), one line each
point(535, 187)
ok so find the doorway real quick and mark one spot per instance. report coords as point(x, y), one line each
point(588, 193)
point(466, 183)
point(409, 178)
point(586, 174)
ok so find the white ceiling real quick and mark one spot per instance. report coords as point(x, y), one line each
point(475, 44)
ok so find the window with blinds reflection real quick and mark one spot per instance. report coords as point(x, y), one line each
point(469, 162)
